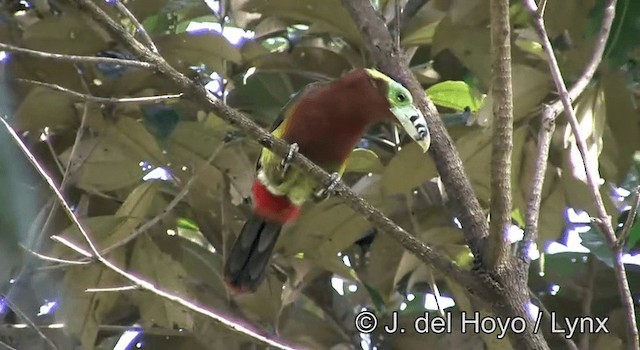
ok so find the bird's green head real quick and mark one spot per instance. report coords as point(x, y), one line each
point(402, 107)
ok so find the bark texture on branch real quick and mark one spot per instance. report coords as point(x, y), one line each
point(502, 146)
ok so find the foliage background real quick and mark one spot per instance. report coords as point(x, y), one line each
point(135, 158)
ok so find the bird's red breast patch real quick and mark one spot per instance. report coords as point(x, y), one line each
point(273, 207)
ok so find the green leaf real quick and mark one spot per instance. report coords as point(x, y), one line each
point(142, 9)
point(517, 216)
point(408, 169)
point(82, 312)
point(112, 160)
point(191, 139)
point(634, 234)
point(624, 30)
point(188, 224)
point(262, 94)
point(363, 161)
point(376, 298)
point(620, 139)
point(160, 119)
point(595, 242)
point(315, 62)
point(67, 33)
point(160, 269)
point(328, 16)
point(564, 265)
point(454, 94)
point(192, 49)
point(45, 107)
point(109, 229)
point(419, 33)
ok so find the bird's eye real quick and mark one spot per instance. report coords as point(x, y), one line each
point(401, 97)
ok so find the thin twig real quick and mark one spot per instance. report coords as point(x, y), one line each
point(207, 100)
point(497, 254)
point(74, 246)
point(139, 27)
point(397, 20)
point(56, 260)
point(590, 68)
point(47, 141)
point(6, 328)
point(138, 281)
point(409, 10)
point(542, 7)
point(587, 299)
point(602, 218)
point(183, 192)
point(436, 293)
point(74, 58)
point(626, 229)
point(28, 321)
point(106, 100)
point(534, 200)
point(113, 289)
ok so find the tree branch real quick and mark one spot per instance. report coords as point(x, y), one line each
point(587, 299)
point(603, 218)
point(497, 254)
point(448, 163)
point(143, 284)
point(534, 201)
point(74, 58)
point(139, 27)
point(105, 100)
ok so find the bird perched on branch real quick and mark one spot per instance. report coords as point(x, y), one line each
point(324, 122)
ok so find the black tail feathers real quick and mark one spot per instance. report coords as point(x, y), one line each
point(247, 262)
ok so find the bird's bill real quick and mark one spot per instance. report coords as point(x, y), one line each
point(414, 123)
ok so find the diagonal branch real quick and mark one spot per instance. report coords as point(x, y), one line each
point(200, 95)
point(448, 163)
point(74, 58)
point(603, 219)
point(502, 146)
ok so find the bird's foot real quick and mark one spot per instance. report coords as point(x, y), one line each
point(326, 192)
point(286, 161)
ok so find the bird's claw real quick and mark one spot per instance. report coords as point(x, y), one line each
point(325, 192)
point(286, 161)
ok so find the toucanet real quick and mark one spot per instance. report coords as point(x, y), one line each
point(324, 122)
